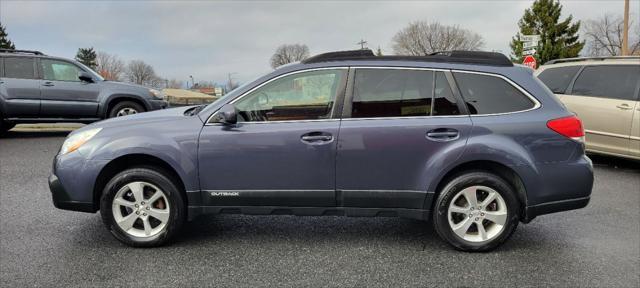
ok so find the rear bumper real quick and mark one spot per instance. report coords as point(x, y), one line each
point(61, 198)
point(556, 206)
point(565, 186)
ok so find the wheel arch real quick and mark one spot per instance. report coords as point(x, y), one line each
point(124, 162)
point(117, 98)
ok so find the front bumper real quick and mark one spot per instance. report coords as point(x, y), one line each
point(72, 182)
point(61, 198)
point(158, 104)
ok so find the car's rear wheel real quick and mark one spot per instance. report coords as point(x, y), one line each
point(125, 108)
point(476, 211)
point(142, 207)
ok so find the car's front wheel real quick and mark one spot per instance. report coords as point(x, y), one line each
point(142, 207)
point(125, 108)
point(476, 211)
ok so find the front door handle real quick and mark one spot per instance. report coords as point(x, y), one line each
point(316, 138)
point(443, 134)
point(48, 84)
point(624, 106)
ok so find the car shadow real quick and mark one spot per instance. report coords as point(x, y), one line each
point(33, 134)
point(615, 162)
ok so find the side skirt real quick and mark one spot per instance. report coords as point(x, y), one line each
point(417, 214)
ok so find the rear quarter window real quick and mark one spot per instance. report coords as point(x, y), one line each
point(19, 67)
point(486, 94)
point(558, 79)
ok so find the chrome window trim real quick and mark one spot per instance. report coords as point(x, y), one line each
point(405, 117)
point(279, 121)
point(208, 123)
point(536, 105)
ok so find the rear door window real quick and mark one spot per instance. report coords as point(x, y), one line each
point(608, 81)
point(401, 93)
point(486, 94)
point(19, 67)
point(558, 79)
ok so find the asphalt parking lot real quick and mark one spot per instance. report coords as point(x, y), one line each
point(42, 246)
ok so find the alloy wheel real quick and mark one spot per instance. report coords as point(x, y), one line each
point(141, 209)
point(477, 214)
point(126, 111)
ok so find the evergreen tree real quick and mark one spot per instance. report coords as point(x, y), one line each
point(5, 43)
point(557, 39)
point(87, 56)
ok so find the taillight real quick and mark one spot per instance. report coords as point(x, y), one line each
point(570, 127)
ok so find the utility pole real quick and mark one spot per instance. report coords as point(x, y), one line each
point(625, 33)
point(362, 42)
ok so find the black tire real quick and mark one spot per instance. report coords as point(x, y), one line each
point(177, 211)
point(113, 112)
point(465, 180)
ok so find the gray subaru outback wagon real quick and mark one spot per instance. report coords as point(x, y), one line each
point(464, 139)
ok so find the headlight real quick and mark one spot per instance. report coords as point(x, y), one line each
point(76, 140)
point(156, 93)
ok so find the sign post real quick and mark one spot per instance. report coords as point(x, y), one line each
point(529, 45)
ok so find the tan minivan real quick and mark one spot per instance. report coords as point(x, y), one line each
point(603, 92)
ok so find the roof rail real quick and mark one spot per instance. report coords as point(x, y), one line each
point(340, 55)
point(465, 57)
point(602, 58)
point(21, 51)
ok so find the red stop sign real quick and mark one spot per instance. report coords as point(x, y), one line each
point(530, 61)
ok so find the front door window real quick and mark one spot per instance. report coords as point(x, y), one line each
point(301, 96)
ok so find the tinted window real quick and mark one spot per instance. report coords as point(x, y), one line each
point(485, 94)
point(59, 70)
point(19, 68)
point(301, 96)
point(558, 79)
point(444, 103)
point(392, 93)
point(617, 82)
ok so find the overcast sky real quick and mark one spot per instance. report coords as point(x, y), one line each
point(208, 39)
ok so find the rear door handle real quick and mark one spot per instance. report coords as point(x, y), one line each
point(624, 106)
point(316, 138)
point(443, 134)
point(48, 84)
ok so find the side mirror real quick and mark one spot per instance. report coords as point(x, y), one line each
point(227, 115)
point(86, 77)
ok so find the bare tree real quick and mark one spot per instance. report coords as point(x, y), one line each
point(175, 84)
point(288, 53)
point(142, 73)
point(421, 38)
point(110, 66)
point(604, 36)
